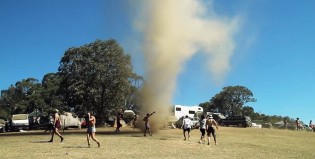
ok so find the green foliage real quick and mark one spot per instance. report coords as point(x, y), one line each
point(97, 76)
point(24, 97)
point(230, 101)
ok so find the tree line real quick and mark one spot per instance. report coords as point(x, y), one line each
point(95, 77)
point(233, 100)
point(99, 77)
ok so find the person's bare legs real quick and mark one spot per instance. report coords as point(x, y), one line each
point(149, 132)
point(88, 139)
point(145, 132)
point(214, 138)
point(202, 139)
point(53, 134)
point(208, 140)
point(93, 137)
point(56, 131)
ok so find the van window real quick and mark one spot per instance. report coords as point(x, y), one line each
point(178, 109)
point(19, 117)
point(191, 112)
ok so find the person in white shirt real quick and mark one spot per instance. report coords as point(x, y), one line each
point(186, 127)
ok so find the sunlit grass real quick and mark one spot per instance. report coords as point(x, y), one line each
point(232, 143)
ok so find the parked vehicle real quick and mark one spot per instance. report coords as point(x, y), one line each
point(128, 116)
point(237, 120)
point(191, 111)
point(69, 120)
point(217, 117)
point(179, 122)
point(3, 125)
point(19, 122)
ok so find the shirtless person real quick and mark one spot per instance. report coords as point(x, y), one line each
point(56, 126)
point(210, 123)
point(146, 124)
point(91, 128)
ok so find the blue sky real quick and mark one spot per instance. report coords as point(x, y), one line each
point(274, 48)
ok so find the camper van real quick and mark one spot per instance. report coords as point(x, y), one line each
point(191, 111)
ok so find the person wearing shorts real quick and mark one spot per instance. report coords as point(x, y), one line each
point(91, 128)
point(210, 123)
point(202, 127)
point(146, 124)
point(186, 127)
point(56, 126)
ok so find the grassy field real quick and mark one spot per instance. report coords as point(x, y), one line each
point(232, 143)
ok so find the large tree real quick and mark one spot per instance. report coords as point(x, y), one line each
point(97, 77)
point(231, 100)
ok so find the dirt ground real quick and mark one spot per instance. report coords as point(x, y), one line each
point(233, 142)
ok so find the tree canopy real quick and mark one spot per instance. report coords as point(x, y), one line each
point(230, 100)
point(98, 77)
point(95, 77)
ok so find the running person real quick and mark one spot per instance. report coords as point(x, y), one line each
point(186, 127)
point(91, 128)
point(146, 124)
point(202, 127)
point(210, 129)
point(56, 126)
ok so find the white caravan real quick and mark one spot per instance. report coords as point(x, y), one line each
point(191, 111)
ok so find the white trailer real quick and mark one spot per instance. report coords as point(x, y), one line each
point(191, 111)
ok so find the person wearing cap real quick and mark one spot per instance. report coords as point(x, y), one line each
point(186, 127)
point(210, 123)
point(56, 126)
point(146, 124)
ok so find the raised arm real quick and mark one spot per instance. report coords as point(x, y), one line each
point(152, 113)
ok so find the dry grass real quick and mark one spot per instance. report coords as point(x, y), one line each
point(232, 143)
